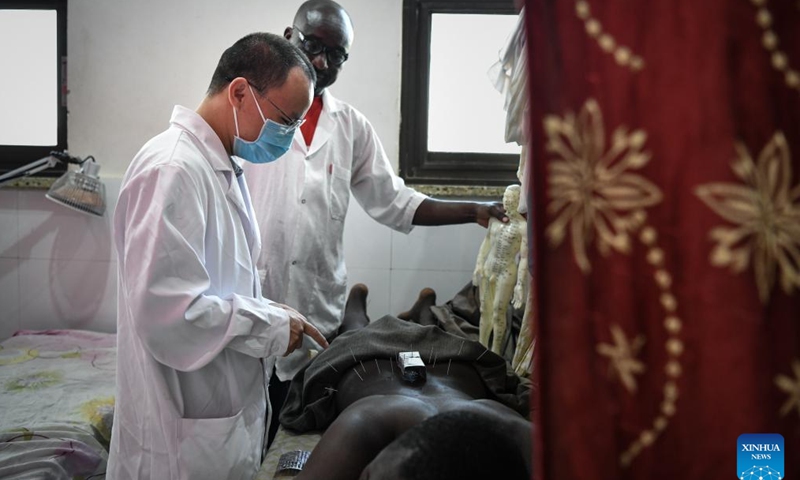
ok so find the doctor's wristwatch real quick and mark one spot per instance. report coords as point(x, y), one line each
point(290, 463)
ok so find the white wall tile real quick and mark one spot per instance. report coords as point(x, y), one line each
point(367, 243)
point(406, 285)
point(379, 289)
point(9, 223)
point(67, 294)
point(9, 297)
point(50, 231)
point(446, 248)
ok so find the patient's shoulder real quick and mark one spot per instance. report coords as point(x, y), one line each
point(388, 405)
point(391, 413)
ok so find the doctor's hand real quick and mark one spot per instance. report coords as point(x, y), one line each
point(487, 210)
point(298, 325)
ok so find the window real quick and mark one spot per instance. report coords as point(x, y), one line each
point(33, 59)
point(453, 122)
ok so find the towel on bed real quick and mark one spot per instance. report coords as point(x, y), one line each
point(309, 406)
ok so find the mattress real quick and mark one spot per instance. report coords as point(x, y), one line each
point(57, 398)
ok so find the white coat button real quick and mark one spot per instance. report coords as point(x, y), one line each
point(294, 262)
point(303, 201)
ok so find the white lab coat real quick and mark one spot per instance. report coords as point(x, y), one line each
point(193, 328)
point(301, 202)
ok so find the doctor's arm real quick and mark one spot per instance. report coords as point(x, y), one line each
point(445, 212)
point(385, 197)
point(167, 283)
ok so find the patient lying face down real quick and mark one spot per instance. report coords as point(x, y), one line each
point(463, 420)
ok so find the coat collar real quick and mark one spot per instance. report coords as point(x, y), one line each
point(214, 152)
point(325, 125)
point(208, 140)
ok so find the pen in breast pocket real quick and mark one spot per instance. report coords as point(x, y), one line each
point(330, 169)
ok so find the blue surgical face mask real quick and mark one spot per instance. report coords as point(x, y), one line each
point(273, 141)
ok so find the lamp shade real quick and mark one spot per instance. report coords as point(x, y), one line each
point(80, 190)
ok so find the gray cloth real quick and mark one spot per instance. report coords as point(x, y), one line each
point(462, 315)
point(309, 406)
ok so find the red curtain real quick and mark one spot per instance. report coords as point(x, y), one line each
point(665, 234)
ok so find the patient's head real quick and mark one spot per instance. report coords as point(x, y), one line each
point(458, 444)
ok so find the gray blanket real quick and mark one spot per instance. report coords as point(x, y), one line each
point(309, 406)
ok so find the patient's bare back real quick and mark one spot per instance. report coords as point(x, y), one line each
point(375, 405)
point(444, 381)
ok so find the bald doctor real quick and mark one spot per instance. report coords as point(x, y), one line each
point(196, 339)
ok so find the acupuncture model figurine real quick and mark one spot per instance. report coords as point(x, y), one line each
point(522, 362)
point(501, 271)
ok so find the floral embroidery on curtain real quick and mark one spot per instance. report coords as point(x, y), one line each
point(593, 193)
point(792, 387)
point(765, 210)
point(591, 189)
point(622, 357)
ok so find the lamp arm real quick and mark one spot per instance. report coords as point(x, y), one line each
point(29, 169)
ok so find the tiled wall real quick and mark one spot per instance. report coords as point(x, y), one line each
point(396, 266)
point(58, 268)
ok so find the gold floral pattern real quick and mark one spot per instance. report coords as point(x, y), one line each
point(792, 387)
point(595, 194)
point(622, 355)
point(766, 213)
point(592, 191)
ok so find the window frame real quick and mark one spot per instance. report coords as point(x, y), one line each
point(417, 164)
point(15, 156)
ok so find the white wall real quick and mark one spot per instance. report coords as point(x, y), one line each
point(129, 63)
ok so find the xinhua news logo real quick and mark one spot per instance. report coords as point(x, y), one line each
point(760, 457)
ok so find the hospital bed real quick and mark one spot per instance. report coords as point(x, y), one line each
point(56, 407)
point(57, 400)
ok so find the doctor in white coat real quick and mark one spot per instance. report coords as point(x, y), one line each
point(196, 338)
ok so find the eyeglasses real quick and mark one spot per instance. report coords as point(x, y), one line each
point(285, 118)
point(313, 46)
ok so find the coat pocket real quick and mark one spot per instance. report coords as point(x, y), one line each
point(340, 193)
point(217, 448)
